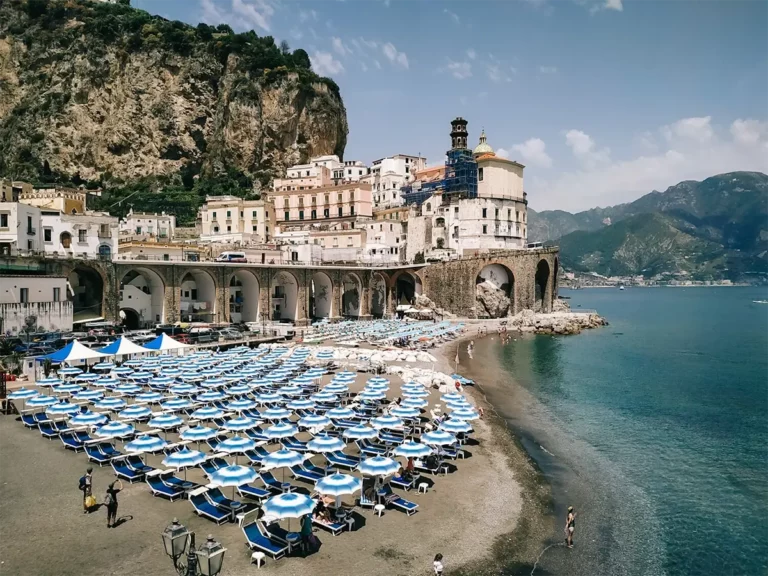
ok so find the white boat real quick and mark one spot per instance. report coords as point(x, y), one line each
point(621, 287)
point(760, 301)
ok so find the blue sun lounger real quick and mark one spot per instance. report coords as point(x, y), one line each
point(34, 420)
point(252, 492)
point(125, 472)
point(71, 441)
point(96, 452)
point(400, 482)
point(272, 483)
point(399, 502)
point(257, 541)
point(169, 479)
point(160, 488)
point(256, 455)
point(334, 528)
point(371, 449)
point(274, 531)
point(341, 460)
point(138, 464)
point(257, 434)
point(207, 510)
point(218, 499)
point(252, 413)
point(300, 473)
point(293, 444)
point(52, 428)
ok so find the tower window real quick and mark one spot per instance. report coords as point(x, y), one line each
point(480, 174)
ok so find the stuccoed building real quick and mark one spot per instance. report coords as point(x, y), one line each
point(472, 204)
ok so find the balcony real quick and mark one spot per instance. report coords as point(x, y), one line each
point(31, 231)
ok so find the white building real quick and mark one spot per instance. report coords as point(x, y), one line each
point(19, 229)
point(161, 226)
point(235, 220)
point(389, 175)
point(384, 242)
point(89, 235)
point(44, 298)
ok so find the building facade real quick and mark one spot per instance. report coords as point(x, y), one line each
point(40, 302)
point(388, 176)
point(142, 224)
point(235, 220)
point(65, 200)
point(344, 203)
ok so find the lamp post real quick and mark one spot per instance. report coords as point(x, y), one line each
point(207, 561)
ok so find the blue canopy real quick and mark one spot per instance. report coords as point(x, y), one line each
point(165, 342)
point(72, 352)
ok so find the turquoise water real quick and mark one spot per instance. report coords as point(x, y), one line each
point(655, 428)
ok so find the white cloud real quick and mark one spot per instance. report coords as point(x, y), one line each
point(339, 46)
point(364, 66)
point(533, 152)
point(453, 15)
point(548, 69)
point(254, 13)
point(371, 44)
point(325, 64)
point(583, 147)
point(392, 54)
point(211, 13)
point(471, 54)
point(696, 151)
point(459, 70)
point(502, 153)
point(495, 74)
point(377, 64)
point(614, 5)
point(305, 15)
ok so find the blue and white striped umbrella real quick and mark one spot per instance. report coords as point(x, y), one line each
point(314, 421)
point(405, 412)
point(88, 419)
point(135, 413)
point(369, 394)
point(49, 381)
point(238, 389)
point(141, 376)
point(184, 389)
point(413, 393)
point(129, 389)
point(291, 390)
point(241, 423)
point(452, 397)
point(336, 388)
point(324, 443)
point(281, 430)
point(111, 403)
point(464, 414)
point(87, 377)
point(387, 422)
point(198, 433)
point(171, 372)
point(207, 413)
point(414, 402)
point(304, 379)
point(23, 394)
point(213, 383)
point(412, 450)
point(67, 389)
point(378, 466)
point(133, 362)
point(149, 398)
point(191, 376)
point(162, 381)
point(184, 458)
point(106, 366)
point(233, 476)
point(360, 432)
point(41, 401)
point(282, 459)
point(115, 430)
point(324, 355)
point(63, 408)
point(236, 445)
point(107, 382)
point(301, 404)
point(122, 371)
point(455, 426)
point(175, 404)
point(165, 422)
point(338, 485)
point(276, 414)
point(324, 397)
point(412, 387)
point(146, 444)
point(377, 381)
point(89, 395)
point(346, 374)
point(239, 405)
point(269, 398)
point(438, 438)
point(210, 396)
point(340, 413)
point(290, 505)
point(69, 371)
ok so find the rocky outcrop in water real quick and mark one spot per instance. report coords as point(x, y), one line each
point(565, 322)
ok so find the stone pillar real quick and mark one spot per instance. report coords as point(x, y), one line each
point(172, 297)
point(302, 299)
point(365, 295)
point(221, 311)
point(338, 290)
point(265, 278)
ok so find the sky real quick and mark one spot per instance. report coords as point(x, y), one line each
point(602, 100)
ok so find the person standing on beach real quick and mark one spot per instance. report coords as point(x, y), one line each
point(110, 501)
point(86, 486)
point(570, 525)
point(437, 565)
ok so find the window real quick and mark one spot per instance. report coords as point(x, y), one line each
point(485, 229)
point(359, 172)
point(340, 198)
point(57, 294)
point(407, 169)
point(349, 241)
point(254, 214)
point(509, 213)
point(194, 294)
point(497, 214)
point(241, 213)
point(214, 215)
point(429, 207)
point(229, 228)
point(294, 256)
point(351, 195)
point(47, 233)
point(215, 229)
point(313, 214)
point(341, 212)
point(480, 174)
point(266, 214)
point(326, 213)
point(485, 212)
point(455, 231)
point(23, 295)
point(287, 215)
point(456, 210)
point(82, 236)
point(138, 229)
point(301, 214)
point(351, 210)
point(163, 232)
point(166, 257)
point(327, 196)
point(255, 228)
point(30, 230)
point(229, 213)
point(3, 220)
point(186, 293)
point(29, 245)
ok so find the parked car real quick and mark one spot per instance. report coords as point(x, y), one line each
point(230, 334)
point(231, 257)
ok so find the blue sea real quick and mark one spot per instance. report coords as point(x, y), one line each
point(655, 428)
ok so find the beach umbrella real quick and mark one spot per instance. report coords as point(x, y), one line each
point(143, 376)
point(276, 414)
point(111, 403)
point(412, 450)
point(23, 394)
point(372, 395)
point(282, 459)
point(281, 430)
point(301, 404)
point(67, 389)
point(415, 393)
point(129, 389)
point(324, 397)
point(39, 401)
point(149, 398)
point(184, 389)
point(106, 382)
point(387, 422)
point(412, 402)
point(405, 412)
point(175, 404)
point(63, 408)
point(88, 419)
point(337, 485)
point(314, 421)
point(135, 413)
point(213, 383)
point(412, 387)
point(336, 388)
point(304, 379)
point(48, 381)
point(184, 458)
point(464, 414)
point(324, 443)
point(165, 422)
point(115, 430)
point(133, 362)
point(269, 397)
point(453, 397)
point(346, 374)
point(146, 444)
point(89, 395)
point(241, 423)
point(210, 396)
point(122, 371)
point(69, 371)
point(191, 376)
point(324, 355)
point(456, 404)
point(238, 389)
point(198, 434)
point(340, 413)
point(378, 466)
point(438, 438)
point(103, 366)
point(207, 413)
point(455, 426)
point(236, 445)
point(291, 390)
point(162, 381)
point(233, 476)
point(377, 381)
point(239, 405)
point(360, 432)
point(289, 505)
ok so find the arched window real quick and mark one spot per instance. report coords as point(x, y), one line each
point(105, 251)
point(65, 239)
point(429, 207)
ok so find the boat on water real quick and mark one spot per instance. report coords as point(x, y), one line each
point(621, 286)
point(759, 301)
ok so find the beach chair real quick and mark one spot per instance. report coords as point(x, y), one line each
point(334, 528)
point(83, 436)
point(320, 470)
point(205, 509)
point(400, 482)
point(293, 444)
point(96, 454)
point(274, 531)
point(29, 420)
point(257, 434)
point(301, 473)
point(258, 541)
point(399, 502)
point(52, 429)
point(371, 449)
point(252, 413)
point(421, 466)
point(341, 460)
point(218, 499)
point(214, 442)
point(138, 464)
point(391, 438)
point(168, 478)
point(160, 488)
point(366, 502)
point(108, 449)
point(344, 424)
point(41, 417)
point(208, 467)
point(70, 441)
point(273, 484)
point(256, 455)
point(252, 492)
point(125, 472)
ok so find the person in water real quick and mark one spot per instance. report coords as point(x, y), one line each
point(570, 526)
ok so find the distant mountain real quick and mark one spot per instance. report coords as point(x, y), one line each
point(717, 228)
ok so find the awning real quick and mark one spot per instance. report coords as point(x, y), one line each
point(165, 342)
point(72, 352)
point(123, 346)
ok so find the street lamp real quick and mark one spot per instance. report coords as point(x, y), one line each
point(207, 561)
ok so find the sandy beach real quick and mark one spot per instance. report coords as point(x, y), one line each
point(490, 514)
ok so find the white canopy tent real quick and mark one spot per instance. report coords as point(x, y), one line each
point(73, 352)
point(123, 346)
point(164, 343)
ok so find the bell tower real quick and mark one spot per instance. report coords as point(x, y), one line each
point(459, 134)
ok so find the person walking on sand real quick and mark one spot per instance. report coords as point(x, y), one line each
point(570, 525)
point(110, 501)
point(86, 486)
point(437, 565)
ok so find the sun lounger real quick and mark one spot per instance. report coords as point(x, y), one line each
point(96, 453)
point(344, 424)
point(257, 434)
point(274, 531)
point(71, 441)
point(366, 502)
point(293, 444)
point(252, 413)
point(208, 467)
point(334, 528)
point(52, 429)
point(370, 448)
point(322, 471)
point(109, 450)
point(29, 420)
point(400, 482)
point(213, 443)
point(257, 541)
point(125, 472)
point(83, 436)
point(218, 499)
point(399, 502)
point(421, 466)
point(205, 509)
point(256, 455)
point(169, 479)
point(160, 488)
point(341, 460)
point(138, 464)
point(273, 484)
point(301, 473)
point(252, 492)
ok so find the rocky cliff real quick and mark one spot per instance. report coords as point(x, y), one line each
point(105, 92)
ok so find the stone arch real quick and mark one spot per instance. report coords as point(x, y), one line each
point(88, 288)
point(351, 295)
point(378, 295)
point(130, 319)
point(244, 292)
point(406, 285)
point(142, 290)
point(198, 296)
point(555, 278)
point(320, 295)
point(494, 291)
point(284, 293)
point(542, 290)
